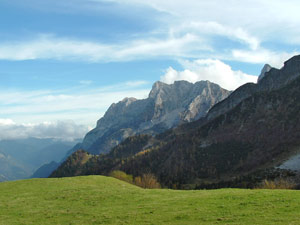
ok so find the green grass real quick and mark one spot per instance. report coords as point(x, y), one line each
point(104, 200)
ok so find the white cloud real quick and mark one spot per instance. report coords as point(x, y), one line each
point(80, 104)
point(189, 31)
point(275, 59)
point(65, 130)
point(252, 14)
point(254, 22)
point(6, 122)
point(73, 107)
point(211, 28)
point(189, 39)
point(212, 70)
point(192, 31)
point(50, 47)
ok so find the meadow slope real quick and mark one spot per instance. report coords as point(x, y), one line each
point(105, 200)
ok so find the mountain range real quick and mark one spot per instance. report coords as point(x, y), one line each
point(20, 158)
point(166, 107)
point(252, 134)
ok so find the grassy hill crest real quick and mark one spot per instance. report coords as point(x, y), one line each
point(105, 200)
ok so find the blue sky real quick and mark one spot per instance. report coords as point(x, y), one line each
point(62, 63)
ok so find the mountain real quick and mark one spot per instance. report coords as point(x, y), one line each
point(270, 79)
point(11, 169)
point(264, 70)
point(166, 107)
point(20, 158)
point(252, 135)
point(45, 170)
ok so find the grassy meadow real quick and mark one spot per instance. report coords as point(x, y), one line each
point(105, 200)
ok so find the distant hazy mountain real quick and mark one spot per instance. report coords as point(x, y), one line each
point(45, 170)
point(20, 158)
point(11, 169)
point(166, 107)
point(241, 141)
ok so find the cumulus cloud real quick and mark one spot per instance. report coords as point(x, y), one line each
point(64, 130)
point(23, 113)
point(6, 122)
point(213, 70)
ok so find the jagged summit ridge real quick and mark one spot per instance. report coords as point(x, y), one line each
point(166, 106)
point(271, 80)
point(264, 70)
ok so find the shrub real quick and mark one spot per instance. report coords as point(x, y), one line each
point(278, 184)
point(122, 176)
point(147, 181)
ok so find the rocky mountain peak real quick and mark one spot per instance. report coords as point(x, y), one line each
point(128, 101)
point(157, 87)
point(263, 72)
point(269, 80)
point(167, 106)
point(292, 61)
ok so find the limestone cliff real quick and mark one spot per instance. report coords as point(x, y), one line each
point(166, 107)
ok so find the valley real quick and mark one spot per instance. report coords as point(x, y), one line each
point(149, 112)
point(20, 158)
point(242, 140)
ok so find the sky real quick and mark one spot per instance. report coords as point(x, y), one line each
point(63, 63)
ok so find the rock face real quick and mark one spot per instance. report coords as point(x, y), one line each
point(166, 107)
point(264, 70)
